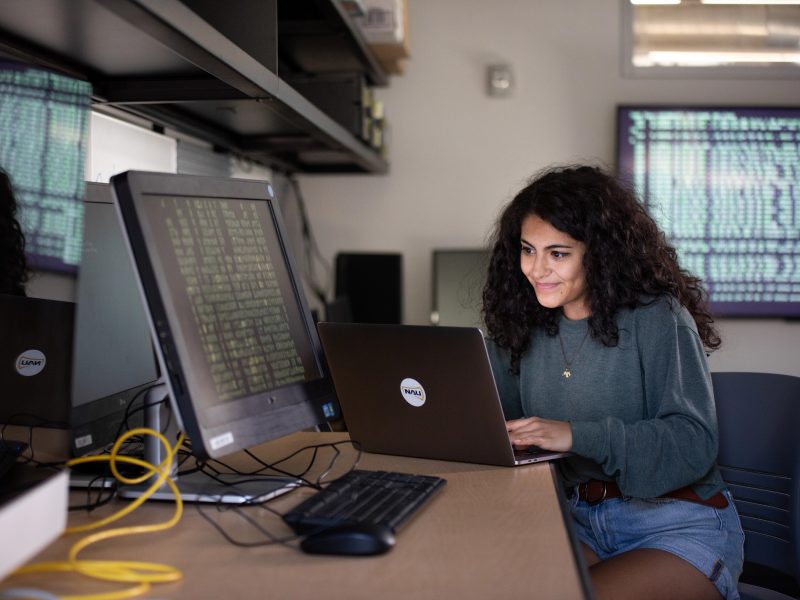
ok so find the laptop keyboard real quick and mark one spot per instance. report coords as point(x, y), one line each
point(377, 497)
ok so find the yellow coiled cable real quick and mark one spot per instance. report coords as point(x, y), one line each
point(141, 573)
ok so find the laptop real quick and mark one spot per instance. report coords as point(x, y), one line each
point(35, 361)
point(421, 391)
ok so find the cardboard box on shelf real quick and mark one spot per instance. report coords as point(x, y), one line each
point(385, 28)
point(396, 66)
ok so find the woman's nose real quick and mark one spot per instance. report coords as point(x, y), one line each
point(538, 268)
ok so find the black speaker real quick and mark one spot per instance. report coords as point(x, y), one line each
point(372, 285)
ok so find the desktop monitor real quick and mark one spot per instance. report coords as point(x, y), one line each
point(458, 279)
point(724, 185)
point(371, 286)
point(114, 365)
point(233, 333)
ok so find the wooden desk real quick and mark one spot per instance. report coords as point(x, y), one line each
point(491, 533)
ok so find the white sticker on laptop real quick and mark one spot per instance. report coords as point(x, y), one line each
point(31, 362)
point(412, 391)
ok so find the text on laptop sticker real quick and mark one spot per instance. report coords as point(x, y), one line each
point(412, 391)
point(30, 362)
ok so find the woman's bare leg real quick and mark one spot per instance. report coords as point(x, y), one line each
point(651, 574)
point(589, 556)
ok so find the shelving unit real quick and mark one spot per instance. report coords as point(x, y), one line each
point(208, 68)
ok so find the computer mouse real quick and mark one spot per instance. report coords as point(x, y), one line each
point(354, 539)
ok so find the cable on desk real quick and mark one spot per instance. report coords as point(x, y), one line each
point(124, 425)
point(133, 446)
point(272, 466)
point(315, 448)
point(40, 422)
point(209, 468)
point(142, 574)
point(101, 500)
point(272, 538)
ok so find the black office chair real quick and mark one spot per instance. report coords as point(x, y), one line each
point(759, 456)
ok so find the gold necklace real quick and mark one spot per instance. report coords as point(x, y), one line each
point(567, 372)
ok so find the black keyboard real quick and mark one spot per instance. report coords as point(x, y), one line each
point(376, 497)
point(9, 451)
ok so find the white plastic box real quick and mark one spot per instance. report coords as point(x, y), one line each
point(29, 521)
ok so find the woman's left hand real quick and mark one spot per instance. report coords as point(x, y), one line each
point(547, 434)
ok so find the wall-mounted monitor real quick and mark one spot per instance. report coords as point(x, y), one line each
point(724, 185)
point(44, 117)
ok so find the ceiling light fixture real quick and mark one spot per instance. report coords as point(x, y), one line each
point(754, 2)
point(704, 59)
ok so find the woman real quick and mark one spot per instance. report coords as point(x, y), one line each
point(598, 343)
point(13, 268)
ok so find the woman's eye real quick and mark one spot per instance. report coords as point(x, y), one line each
point(559, 255)
point(527, 250)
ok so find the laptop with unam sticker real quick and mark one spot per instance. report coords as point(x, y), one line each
point(35, 361)
point(421, 391)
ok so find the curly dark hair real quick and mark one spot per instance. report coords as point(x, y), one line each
point(627, 259)
point(13, 268)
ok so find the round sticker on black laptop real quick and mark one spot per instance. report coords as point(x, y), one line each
point(31, 362)
point(412, 391)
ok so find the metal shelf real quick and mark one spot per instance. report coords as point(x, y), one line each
point(160, 59)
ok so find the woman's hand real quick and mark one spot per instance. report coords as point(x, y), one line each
point(548, 435)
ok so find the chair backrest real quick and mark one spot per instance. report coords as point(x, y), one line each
point(759, 457)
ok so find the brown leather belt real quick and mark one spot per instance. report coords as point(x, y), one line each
point(596, 491)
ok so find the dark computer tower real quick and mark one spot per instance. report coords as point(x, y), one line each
point(372, 285)
point(342, 96)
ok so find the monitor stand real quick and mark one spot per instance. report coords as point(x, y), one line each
point(197, 487)
point(97, 476)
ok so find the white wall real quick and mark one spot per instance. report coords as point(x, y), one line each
point(458, 155)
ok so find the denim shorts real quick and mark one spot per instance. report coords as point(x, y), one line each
point(708, 538)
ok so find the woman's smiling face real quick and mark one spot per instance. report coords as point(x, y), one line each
point(552, 261)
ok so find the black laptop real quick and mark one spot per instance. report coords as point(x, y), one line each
point(421, 391)
point(35, 361)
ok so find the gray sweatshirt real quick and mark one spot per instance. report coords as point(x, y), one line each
point(642, 412)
